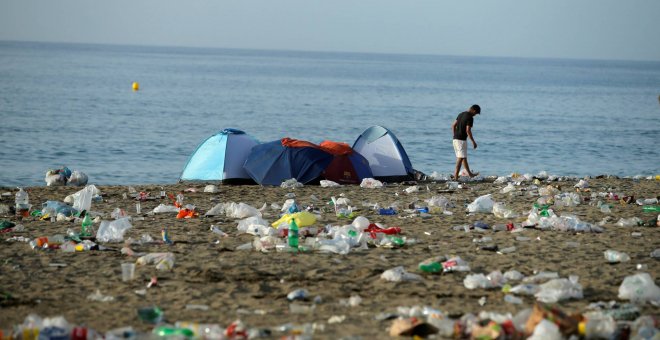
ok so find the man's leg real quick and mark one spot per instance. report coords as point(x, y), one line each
point(467, 168)
point(459, 161)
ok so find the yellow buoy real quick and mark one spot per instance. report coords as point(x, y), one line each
point(136, 86)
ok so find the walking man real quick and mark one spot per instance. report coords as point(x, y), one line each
point(462, 129)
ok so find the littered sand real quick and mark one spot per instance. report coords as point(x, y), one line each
point(252, 286)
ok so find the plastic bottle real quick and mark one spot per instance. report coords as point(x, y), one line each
point(86, 226)
point(431, 267)
point(647, 208)
point(22, 203)
point(597, 326)
point(165, 331)
point(202, 331)
point(293, 236)
point(387, 211)
point(613, 256)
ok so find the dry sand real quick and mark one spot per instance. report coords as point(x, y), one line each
point(253, 286)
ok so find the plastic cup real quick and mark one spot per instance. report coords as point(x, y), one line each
point(127, 271)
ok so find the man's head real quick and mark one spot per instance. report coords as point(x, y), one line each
point(475, 109)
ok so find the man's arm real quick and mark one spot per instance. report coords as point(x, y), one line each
point(453, 126)
point(468, 129)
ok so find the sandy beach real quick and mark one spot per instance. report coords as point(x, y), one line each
point(252, 286)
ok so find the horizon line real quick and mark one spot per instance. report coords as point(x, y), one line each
point(327, 51)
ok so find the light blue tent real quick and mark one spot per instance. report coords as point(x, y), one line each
point(387, 158)
point(220, 158)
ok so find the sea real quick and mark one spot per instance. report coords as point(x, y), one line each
point(73, 105)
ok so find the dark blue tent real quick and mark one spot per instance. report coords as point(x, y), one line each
point(273, 163)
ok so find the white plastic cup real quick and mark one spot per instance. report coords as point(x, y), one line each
point(138, 208)
point(127, 271)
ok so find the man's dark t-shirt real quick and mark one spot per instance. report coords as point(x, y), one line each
point(464, 119)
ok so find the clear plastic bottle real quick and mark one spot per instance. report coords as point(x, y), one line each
point(22, 203)
point(613, 256)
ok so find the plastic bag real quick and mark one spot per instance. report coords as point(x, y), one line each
point(163, 261)
point(241, 210)
point(482, 204)
point(509, 188)
point(371, 183)
point(501, 211)
point(118, 213)
point(255, 225)
point(82, 200)
point(639, 288)
point(53, 179)
point(291, 184)
point(329, 184)
point(494, 279)
point(303, 219)
point(546, 330)
point(559, 289)
point(78, 178)
point(437, 201)
point(211, 188)
point(399, 274)
point(113, 231)
point(218, 209)
point(163, 208)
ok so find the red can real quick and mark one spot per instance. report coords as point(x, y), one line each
point(79, 333)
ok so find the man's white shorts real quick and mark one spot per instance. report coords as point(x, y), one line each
point(460, 147)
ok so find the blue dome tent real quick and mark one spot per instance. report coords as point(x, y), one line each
point(274, 162)
point(220, 158)
point(388, 160)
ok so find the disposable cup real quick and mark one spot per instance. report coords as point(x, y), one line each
point(127, 271)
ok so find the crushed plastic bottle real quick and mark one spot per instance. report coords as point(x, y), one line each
point(613, 256)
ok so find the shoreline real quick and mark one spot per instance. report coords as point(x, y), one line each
point(252, 286)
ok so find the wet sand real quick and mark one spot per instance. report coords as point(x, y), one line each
point(252, 286)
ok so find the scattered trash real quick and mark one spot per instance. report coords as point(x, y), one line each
point(291, 184)
point(613, 256)
point(371, 183)
point(399, 274)
point(211, 188)
point(298, 294)
point(638, 288)
point(163, 261)
point(329, 184)
point(483, 204)
point(113, 231)
point(97, 296)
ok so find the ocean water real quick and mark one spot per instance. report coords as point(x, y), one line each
point(72, 105)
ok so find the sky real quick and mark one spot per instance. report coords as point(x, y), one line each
point(582, 29)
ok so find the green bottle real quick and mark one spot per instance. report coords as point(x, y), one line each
point(293, 234)
point(651, 208)
point(430, 267)
point(165, 331)
point(86, 224)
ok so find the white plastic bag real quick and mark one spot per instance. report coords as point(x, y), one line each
point(82, 200)
point(546, 330)
point(241, 210)
point(501, 211)
point(639, 288)
point(371, 183)
point(255, 225)
point(113, 231)
point(329, 184)
point(78, 178)
point(482, 204)
point(53, 180)
point(559, 289)
point(291, 184)
point(163, 261)
point(399, 274)
point(211, 188)
point(162, 208)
